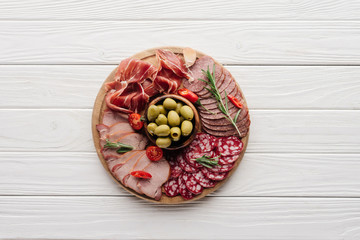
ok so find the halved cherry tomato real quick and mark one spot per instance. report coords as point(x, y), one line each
point(154, 153)
point(189, 95)
point(235, 101)
point(141, 174)
point(135, 121)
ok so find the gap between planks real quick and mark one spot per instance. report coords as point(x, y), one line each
point(225, 65)
point(209, 196)
point(329, 20)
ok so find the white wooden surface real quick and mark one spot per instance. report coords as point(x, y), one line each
point(298, 63)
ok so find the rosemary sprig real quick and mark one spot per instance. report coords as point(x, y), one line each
point(207, 161)
point(223, 107)
point(200, 104)
point(122, 148)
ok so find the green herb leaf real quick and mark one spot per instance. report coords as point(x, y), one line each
point(207, 161)
point(121, 148)
point(226, 102)
point(237, 115)
point(124, 150)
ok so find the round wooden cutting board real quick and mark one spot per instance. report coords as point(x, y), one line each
point(100, 106)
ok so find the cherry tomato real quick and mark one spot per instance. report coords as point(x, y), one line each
point(189, 95)
point(135, 121)
point(154, 153)
point(141, 174)
point(235, 101)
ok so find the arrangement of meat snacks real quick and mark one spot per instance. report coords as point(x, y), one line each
point(189, 177)
point(210, 156)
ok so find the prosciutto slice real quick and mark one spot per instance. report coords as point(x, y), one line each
point(133, 70)
point(171, 61)
point(167, 81)
point(136, 81)
point(127, 93)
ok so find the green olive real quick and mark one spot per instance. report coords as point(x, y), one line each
point(175, 133)
point(153, 113)
point(178, 106)
point(187, 112)
point(173, 119)
point(162, 131)
point(161, 120)
point(162, 109)
point(162, 142)
point(169, 104)
point(186, 128)
point(151, 128)
point(181, 119)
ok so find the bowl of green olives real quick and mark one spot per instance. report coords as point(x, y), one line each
point(172, 122)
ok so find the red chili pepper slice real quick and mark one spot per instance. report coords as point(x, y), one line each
point(141, 174)
point(235, 101)
point(135, 121)
point(189, 95)
point(154, 153)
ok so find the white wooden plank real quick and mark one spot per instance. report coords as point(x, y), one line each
point(322, 175)
point(60, 42)
point(290, 87)
point(188, 9)
point(271, 131)
point(305, 131)
point(61, 86)
point(45, 130)
point(213, 218)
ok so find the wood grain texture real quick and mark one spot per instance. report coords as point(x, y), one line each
point(283, 87)
point(287, 108)
point(214, 218)
point(258, 175)
point(304, 131)
point(91, 42)
point(181, 10)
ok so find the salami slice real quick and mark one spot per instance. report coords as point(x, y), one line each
point(175, 169)
point(213, 141)
point(229, 146)
point(184, 165)
point(203, 140)
point(190, 156)
point(203, 181)
point(222, 168)
point(184, 192)
point(194, 146)
point(214, 176)
point(191, 184)
point(228, 159)
point(171, 187)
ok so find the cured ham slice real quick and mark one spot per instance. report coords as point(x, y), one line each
point(131, 181)
point(117, 161)
point(133, 98)
point(167, 81)
point(119, 131)
point(124, 168)
point(126, 93)
point(136, 81)
point(111, 117)
point(160, 172)
point(133, 70)
point(139, 101)
point(171, 61)
point(112, 106)
point(121, 165)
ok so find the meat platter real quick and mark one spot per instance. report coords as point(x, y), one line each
point(146, 106)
